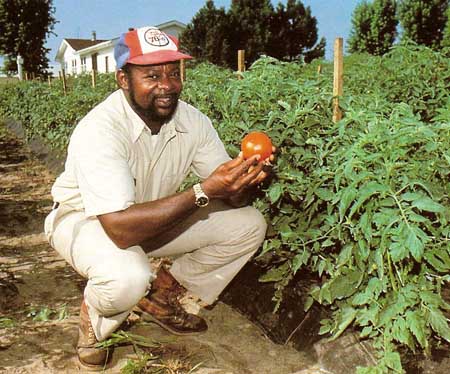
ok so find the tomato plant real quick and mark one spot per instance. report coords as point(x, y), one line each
point(256, 143)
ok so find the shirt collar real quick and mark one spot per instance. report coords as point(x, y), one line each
point(137, 125)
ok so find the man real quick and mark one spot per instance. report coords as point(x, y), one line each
point(116, 203)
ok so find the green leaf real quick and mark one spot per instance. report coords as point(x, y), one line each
point(411, 196)
point(346, 317)
point(276, 274)
point(401, 333)
point(345, 255)
point(399, 251)
point(308, 303)
point(414, 244)
point(275, 192)
point(427, 204)
point(393, 361)
point(324, 194)
point(366, 192)
point(439, 259)
point(366, 226)
point(345, 285)
point(347, 198)
point(439, 323)
point(299, 260)
point(416, 325)
point(284, 105)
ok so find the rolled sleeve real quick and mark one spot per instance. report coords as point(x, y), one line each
point(104, 177)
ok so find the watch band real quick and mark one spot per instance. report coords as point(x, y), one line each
point(201, 199)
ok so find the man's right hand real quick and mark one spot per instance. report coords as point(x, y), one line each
point(232, 178)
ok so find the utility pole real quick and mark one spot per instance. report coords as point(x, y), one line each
point(19, 67)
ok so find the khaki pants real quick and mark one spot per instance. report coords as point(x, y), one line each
point(209, 248)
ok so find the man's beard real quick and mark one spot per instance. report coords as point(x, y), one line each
point(150, 113)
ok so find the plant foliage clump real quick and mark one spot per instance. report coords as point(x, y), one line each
point(373, 27)
point(287, 32)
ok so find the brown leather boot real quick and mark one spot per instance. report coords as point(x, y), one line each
point(89, 355)
point(162, 306)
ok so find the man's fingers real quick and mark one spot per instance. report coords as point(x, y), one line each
point(259, 178)
point(244, 166)
point(234, 162)
point(248, 177)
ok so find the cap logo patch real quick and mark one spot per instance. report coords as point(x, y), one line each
point(156, 38)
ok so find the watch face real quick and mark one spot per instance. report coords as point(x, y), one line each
point(202, 201)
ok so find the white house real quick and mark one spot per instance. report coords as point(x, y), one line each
point(77, 56)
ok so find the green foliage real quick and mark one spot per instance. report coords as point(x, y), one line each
point(293, 33)
point(24, 27)
point(287, 33)
point(446, 34)
point(46, 111)
point(362, 203)
point(6, 322)
point(249, 28)
point(206, 35)
point(373, 27)
point(45, 313)
point(423, 21)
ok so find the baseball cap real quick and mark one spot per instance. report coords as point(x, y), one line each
point(147, 46)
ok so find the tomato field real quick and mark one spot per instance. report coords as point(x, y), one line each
point(362, 203)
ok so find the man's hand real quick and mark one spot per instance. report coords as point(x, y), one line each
point(267, 168)
point(232, 180)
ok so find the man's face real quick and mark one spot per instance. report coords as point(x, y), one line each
point(154, 90)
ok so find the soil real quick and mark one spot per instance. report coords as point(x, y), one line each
point(40, 296)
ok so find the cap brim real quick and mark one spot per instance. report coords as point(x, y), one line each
point(160, 57)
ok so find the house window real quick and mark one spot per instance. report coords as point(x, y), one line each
point(74, 67)
point(83, 64)
point(106, 65)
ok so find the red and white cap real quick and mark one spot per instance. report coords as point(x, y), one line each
point(147, 46)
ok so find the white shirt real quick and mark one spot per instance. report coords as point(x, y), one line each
point(113, 163)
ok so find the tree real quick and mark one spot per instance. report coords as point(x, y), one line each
point(374, 27)
point(24, 27)
point(446, 34)
point(424, 21)
point(294, 33)
point(253, 25)
point(249, 23)
point(205, 37)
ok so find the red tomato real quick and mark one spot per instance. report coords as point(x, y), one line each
point(256, 143)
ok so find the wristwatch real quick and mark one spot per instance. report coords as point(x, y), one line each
point(201, 200)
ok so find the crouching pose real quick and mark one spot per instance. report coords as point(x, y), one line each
point(118, 201)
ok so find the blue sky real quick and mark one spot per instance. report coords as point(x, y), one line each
point(109, 18)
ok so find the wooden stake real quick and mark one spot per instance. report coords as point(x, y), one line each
point(319, 69)
point(182, 70)
point(26, 76)
point(64, 83)
point(49, 81)
point(94, 78)
point(338, 82)
point(241, 62)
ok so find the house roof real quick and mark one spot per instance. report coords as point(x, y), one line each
point(171, 23)
point(78, 44)
point(82, 46)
